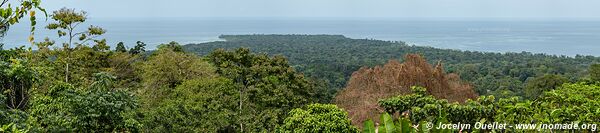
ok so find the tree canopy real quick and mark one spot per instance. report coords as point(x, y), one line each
point(334, 58)
point(268, 86)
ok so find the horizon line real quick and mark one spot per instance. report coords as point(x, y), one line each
point(365, 18)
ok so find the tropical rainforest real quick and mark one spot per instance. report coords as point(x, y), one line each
point(278, 83)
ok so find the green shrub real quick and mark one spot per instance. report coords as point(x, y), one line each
point(401, 125)
point(318, 118)
point(67, 109)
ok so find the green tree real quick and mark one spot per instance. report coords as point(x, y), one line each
point(140, 47)
point(17, 78)
point(182, 93)
point(78, 65)
point(120, 47)
point(67, 20)
point(538, 85)
point(594, 71)
point(66, 23)
point(318, 118)
point(165, 69)
point(16, 75)
point(174, 46)
point(44, 46)
point(123, 66)
point(268, 87)
point(206, 104)
point(100, 45)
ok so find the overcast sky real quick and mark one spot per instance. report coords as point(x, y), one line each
point(393, 9)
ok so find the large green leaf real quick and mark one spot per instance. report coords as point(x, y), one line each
point(422, 127)
point(369, 127)
point(388, 123)
point(405, 125)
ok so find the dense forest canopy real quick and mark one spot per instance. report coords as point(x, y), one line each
point(333, 58)
point(171, 90)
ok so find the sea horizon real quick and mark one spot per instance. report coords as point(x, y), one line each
point(492, 35)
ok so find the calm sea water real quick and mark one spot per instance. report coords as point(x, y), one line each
point(552, 37)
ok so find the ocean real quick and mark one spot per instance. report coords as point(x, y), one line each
point(551, 37)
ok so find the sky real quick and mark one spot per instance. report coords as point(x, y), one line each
point(359, 9)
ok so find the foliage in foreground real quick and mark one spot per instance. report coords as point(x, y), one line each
point(321, 118)
point(12, 128)
point(387, 124)
point(424, 107)
point(64, 108)
point(570, 103)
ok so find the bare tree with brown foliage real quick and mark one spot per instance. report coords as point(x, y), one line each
point(368, 85)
